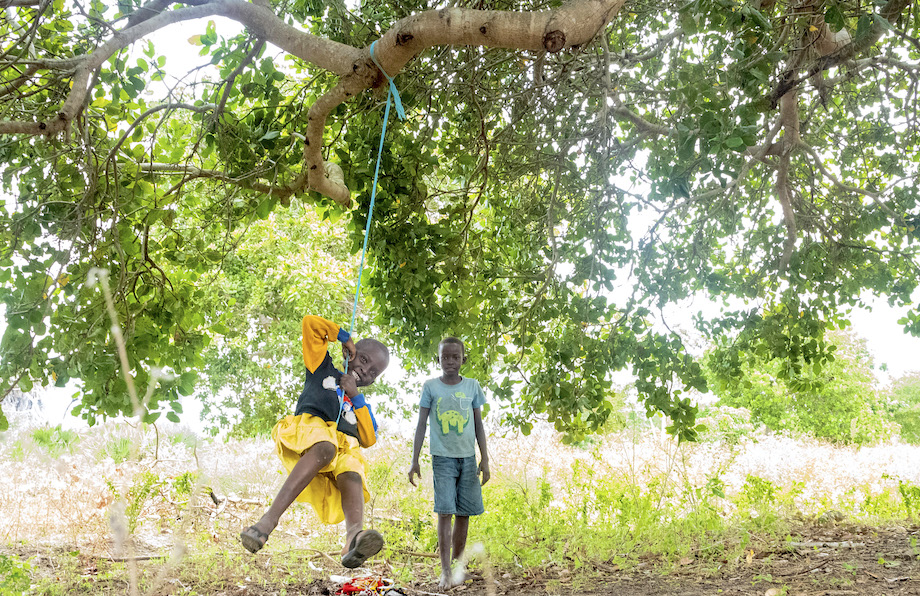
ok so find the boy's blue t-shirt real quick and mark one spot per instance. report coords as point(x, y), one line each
point(451, 417)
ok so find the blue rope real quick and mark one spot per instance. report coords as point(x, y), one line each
point(370, 211)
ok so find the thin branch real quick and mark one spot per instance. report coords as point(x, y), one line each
point(9, 87)
point(166, 106)
point(875, 196)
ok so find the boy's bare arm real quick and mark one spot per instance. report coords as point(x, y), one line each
point(483, 449)
point(415, 469)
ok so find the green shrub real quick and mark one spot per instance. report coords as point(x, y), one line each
point(726, 424)
point(910, 495)
point(758, 499)
point(17, 451)
point(55, 440)
point(835, 400)
point(908, 419)
point(118, 449)
point(904, 406)
point(14, 576)
point(184, 438)
point(145, 487)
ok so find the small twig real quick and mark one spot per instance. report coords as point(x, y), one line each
point(804, 571)
point(410, 553)
point(844, 544)
point(126, 559)
point(320, 553)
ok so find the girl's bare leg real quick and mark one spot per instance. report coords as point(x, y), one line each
point(311, 462)
point(352, 490)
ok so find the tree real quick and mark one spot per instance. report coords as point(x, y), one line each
point(837, 401)
point(904, 406)
point(567, 174)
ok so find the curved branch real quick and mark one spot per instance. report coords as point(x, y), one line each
point(644, 126)
point(326, 54)
point(573, 24)
point(231, 78)
point(784, 195)
point(192, 172)
point(8, 87)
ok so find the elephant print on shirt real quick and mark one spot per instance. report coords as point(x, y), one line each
point(453, 411)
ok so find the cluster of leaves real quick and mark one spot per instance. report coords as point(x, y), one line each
point(14, 575)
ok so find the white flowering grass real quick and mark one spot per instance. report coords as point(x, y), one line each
point(71, 500)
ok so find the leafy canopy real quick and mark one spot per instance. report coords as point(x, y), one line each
point(559, 210)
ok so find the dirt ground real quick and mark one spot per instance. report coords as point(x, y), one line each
point(834, 561)
point(824, 562)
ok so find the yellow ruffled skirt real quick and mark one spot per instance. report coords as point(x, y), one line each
point(295, 434)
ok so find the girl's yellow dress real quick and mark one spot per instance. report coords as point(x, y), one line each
point(295, 434)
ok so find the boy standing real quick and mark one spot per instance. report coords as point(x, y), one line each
point(319, 443)
point(450, 403)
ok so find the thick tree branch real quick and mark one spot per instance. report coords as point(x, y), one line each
point(839, 48)
point(572, 24)
point(575, 23)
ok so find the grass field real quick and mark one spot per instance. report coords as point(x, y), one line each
point(122, 509)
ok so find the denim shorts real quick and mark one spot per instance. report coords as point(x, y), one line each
point(457, 490)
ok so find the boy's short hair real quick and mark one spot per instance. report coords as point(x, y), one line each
point(451, 340)
point(371, 343)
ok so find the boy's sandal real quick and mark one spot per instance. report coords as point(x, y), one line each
point(364, 545)
point(253, 540)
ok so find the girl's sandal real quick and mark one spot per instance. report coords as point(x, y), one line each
point(253, 540)
point(364, 545)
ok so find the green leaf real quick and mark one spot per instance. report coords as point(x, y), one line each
point(734, 142)
point(833, 16)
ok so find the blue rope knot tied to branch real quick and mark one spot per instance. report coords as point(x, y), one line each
point(392, 93)
point(399, 108)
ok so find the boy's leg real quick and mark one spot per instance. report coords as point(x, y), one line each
point(469, 502)
point(360, 544)
point(461, 528)
point(312, 461)
point(445, 531)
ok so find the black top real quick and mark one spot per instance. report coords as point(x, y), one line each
point(323, 403)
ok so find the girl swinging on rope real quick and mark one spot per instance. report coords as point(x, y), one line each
point(319, 443)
